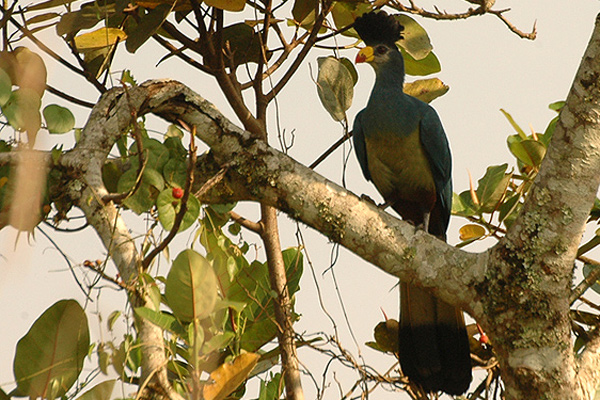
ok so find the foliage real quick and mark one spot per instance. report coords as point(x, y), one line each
point(498, 197)
point(216, 308)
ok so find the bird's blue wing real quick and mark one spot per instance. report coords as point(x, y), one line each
point(435, 143)
point(360, 146)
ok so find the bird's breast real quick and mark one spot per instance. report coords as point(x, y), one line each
point(399, 167)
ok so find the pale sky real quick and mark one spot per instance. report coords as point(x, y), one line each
point(487, 68)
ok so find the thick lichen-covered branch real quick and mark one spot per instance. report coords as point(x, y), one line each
point(273, 178)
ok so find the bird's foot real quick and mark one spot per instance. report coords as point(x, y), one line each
point(425, 224)
point(368, 199)
point(385, 205)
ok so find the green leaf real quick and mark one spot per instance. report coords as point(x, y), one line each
point(345, 12)
point(72, 22)
point(426, 90)
point(587, 269)
point(156, 154)
point(514, 124)
point(220, 341)
point(386, 335)
point(223, 208)
point(23, 110)
point(304, 12)
point(168, 207)
point(103, 359)
point(271, 389)
point(415, 40)
point(49, 358)
point(508, 207)
point(557, 105)
point(173, 142)
point(351, 68)
point(462, 205)
point(595, 212)
point(144, 197)
point(112, 319)
point(191, 289)
point(530, 152)
point(492, 186)
point(111, 173)
point(243, 42)
point(427, 66)
point(163, 320)
point(252, 287)
point(175, 172)
point(293, 260)
point(58, 119)
point(95, 61)
point(335, 87)
point(147, 26)
point(102, 391)
point(127, 77)
point(174, 131)
point(5, 87)
point(549, 132)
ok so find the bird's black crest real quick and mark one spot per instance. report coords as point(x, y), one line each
point(378, 27)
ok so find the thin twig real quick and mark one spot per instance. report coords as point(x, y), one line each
point(442, 15)
point(589, 280)
point(330, 150)
point(300, 57)
point(174, 51)
point(68, 97)
point(93, 266)
point(255, 227)
point(212, 182)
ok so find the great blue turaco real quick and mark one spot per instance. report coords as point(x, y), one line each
point(402, 148)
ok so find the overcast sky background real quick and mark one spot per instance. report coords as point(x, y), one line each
point(487, 68)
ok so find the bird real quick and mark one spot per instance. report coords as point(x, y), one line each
point(402, 148)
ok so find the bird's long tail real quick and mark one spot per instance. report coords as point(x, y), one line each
point(434, 347)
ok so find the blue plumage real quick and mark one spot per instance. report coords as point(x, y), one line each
point(402, 148)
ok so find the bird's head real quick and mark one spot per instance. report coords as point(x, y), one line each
point(377, 55)
point(380, 32)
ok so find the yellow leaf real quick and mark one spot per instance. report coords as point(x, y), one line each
point(471, 231)
point(229, 376)
point(99, 39)
point(426, 89)
point(227, 5)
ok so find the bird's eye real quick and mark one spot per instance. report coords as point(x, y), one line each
point(381, 49)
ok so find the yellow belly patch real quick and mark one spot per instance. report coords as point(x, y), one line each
point(399, 167)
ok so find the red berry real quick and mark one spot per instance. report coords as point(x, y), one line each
point(177, 192)
point(483, 339)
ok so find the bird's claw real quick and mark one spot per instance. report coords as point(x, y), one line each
point(368, 199)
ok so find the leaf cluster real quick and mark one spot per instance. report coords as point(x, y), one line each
point(493, 204)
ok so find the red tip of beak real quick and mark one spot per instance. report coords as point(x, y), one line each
point(360, 58)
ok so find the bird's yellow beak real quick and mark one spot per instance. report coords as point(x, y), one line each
point(365, 55)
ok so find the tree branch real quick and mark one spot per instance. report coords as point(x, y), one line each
point(277, 180)
point(484, 8)
point(88, 157)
